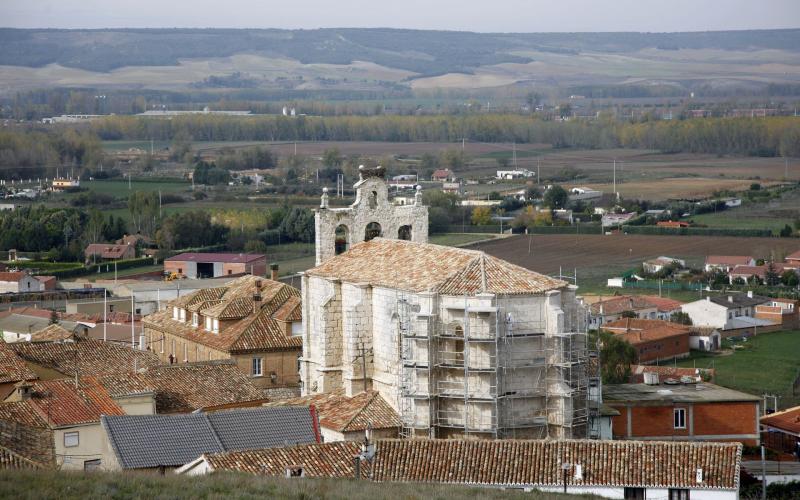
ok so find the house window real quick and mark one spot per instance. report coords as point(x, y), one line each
point(175, 315)
point(111, 308)
point(71, 439)
point(182, 313)
point(172, 352)
point(163, 341)
point(634, 493)
point(90, 465)
point(679, 418)
point(215, 329)
point(208, 323)
point(195, 319)
point(256, 372)
point(676, 494)
point(230, 271)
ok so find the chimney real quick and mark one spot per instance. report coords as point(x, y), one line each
point(24, 390)
point(708, 298)
point(257, 297)
point(273, 272)
point(730, 299)
point(749, 294)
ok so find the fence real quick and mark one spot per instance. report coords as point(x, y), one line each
point(696, 231)
point(665, 285)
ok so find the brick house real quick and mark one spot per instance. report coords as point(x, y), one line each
point(608, 469)
point(782, 431)
point(784, 312)
point(254, 321)
point(443, 175)
point(653, 339)
point(683, 412)
point(108, 252)
point(195, 265)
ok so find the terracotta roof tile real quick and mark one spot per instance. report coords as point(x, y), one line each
point(88, 357)
point(60, 403)
point(22, 412)
point(187, 387)
point(507, 462)
point(249, 331)
point(787, 420)
point(12, 276)
point(12, 367)
point(447, 270)
point(616, 305)
point(635, 330)
point(51, 333)
point(348, 414)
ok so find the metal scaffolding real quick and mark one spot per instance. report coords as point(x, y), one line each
point(491, 375)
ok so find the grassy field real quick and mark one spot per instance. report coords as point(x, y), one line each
point(119, 188)
point(28, 485)
point(767, 363)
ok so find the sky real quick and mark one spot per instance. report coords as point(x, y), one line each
point(470, 15)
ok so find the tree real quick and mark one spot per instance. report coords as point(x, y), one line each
point(94, 226)
point(629, 314)
point(616, 358)
point(332, 158)
point(502, 162)
point(53, 317)
point(771, 276)
point(481, 216)
point(789, 278)
point(144, 209)
point(556, 197)
point(786, 232)
point(681, 318)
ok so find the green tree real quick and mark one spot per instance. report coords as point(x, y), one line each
point(771, 276)
point(556, 197)
point(681, 318)
point(789, 278)
point(629, 314)
point(616, 358)
point(144, 210)
point(332, 158)
point(481, 216)
point(94, 226)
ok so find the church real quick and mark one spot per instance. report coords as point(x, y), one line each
point(459, 343)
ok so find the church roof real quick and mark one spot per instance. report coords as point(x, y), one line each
point(423, 267)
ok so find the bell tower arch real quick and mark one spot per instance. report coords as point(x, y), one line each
point(371, 215)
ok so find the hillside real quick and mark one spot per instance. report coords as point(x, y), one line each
point(370, 58)
point(24, 485)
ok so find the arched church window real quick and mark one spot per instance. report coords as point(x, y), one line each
point(342, 239)
point(404, 233)
point(373, 230)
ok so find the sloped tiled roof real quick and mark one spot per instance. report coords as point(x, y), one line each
point(663, 304)
point(51, 333)
point(87, 357)
point(107, 250)
point(22, 412)
point(616, 305)
point(12, 367)
point(507, 462)
point(58, 403)
point(187, 387)
point(341, 413)
point(421, 267)
point(787, 420)
point(254, 326)
point(12, 276)
point(146, 441)
point(635, 330)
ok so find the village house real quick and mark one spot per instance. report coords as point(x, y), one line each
point(443, 175)
point(55, 360)
point(726, 263)
point(670, 410)
point(195, 265)
point(137, 442)
point(783, 312)
point(104, 252)
point(782, 431)
point(747, 273)
point(793, 259)
point(665, 306)
point(611, 220)
point(436, 330)
point(609, 469)
point(254, 321)
point(346, 418)
point(515, 174)
point(611, 309)
point(63, 412)
point(659, 263)
point(654, 340)
point(12, 371)
point(183, 388)
point(731, 314)
point(19, 282)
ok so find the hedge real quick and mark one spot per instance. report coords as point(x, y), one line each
point(101, 267)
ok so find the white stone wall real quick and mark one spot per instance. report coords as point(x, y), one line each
point(371, 205)
point(340, 318)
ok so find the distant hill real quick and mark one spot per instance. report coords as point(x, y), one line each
point(410, 54)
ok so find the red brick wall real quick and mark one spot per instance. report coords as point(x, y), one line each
point(663, 349)
point(708, 419)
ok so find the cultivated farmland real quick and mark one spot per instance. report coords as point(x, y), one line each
point(598, 257)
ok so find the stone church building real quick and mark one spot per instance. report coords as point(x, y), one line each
point(460, 343)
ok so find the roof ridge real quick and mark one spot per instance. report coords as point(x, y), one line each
point(361, 410)
point(213, 430)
